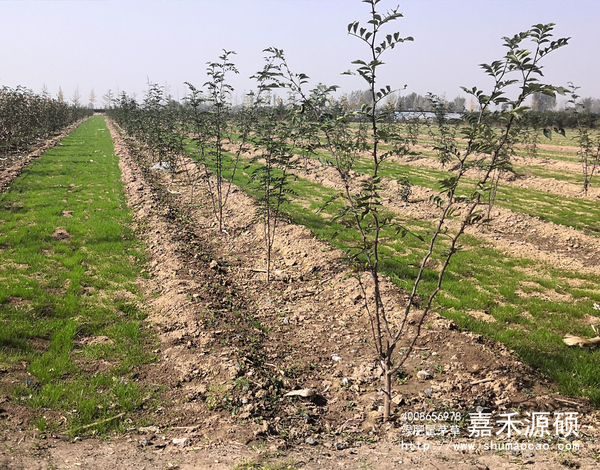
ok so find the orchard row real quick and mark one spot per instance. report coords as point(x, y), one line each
point(26, 117)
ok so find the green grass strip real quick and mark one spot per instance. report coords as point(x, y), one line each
point(581, 214)
point(67, 284)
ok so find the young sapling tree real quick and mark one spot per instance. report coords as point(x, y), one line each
point(160, 127)
point(216, 128)
point(589, 144)
point(277, 135)
point(488, 148)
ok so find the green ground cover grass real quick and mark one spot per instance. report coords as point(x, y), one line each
point(67, 284)
point(544, 205)
point(514, 292)
point(569, 154)
point(426, 132)
point(545, 172)
point(567, 151)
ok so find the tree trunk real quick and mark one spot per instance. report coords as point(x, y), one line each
point(387, 388)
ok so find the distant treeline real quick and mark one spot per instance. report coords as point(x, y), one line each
point(543, 112)
point(564, 119)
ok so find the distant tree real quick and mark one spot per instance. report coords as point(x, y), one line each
point(93, 98)
point(344, 103)
point(458, 104)
point(541, 102)
point(421, 104)
point(406, 103)
point(390, 103)
point(278, 103)
point(472, 105)
point(365, 98)
point(417, 101)
point(60, 96)
point(389, 106)
point(108, 99)
point(590, 105)
point(76, 98)
point(586, 104)
point(354, 100)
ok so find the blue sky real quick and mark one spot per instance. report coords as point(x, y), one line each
point(121, 44)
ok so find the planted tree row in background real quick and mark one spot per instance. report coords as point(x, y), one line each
point(26, 117)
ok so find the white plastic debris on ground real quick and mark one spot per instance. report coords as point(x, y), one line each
point(161, 166)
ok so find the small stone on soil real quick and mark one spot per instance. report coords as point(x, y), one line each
point(153, 429)
point(144, 442)
point(180, 442)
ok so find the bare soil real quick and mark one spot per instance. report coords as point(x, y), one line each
point(232, 346)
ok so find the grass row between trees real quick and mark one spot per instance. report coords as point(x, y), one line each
point(68, 294)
